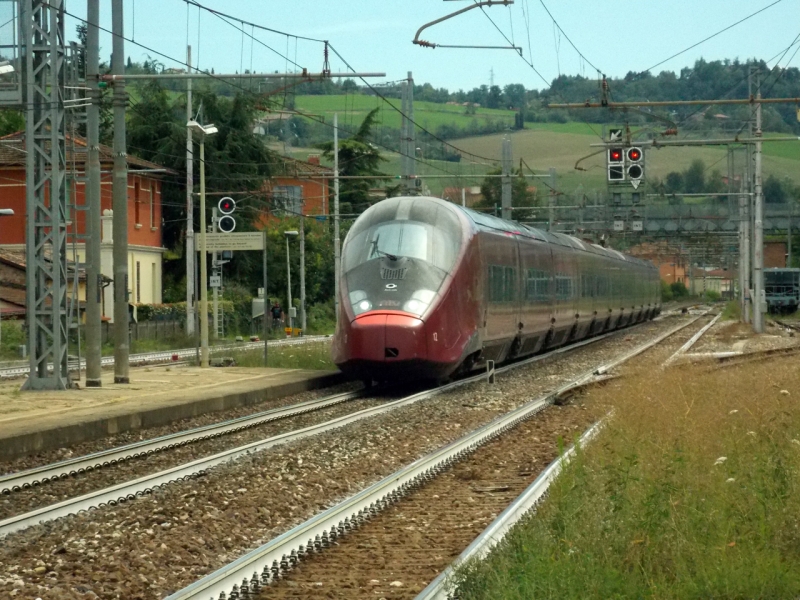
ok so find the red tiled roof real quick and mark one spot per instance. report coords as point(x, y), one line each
point(13, 153)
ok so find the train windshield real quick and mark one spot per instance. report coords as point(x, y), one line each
point(398, 253)
point(414, 228)
point(406, 239)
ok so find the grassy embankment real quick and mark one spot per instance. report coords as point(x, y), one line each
point(691, 491)
point(316, 356)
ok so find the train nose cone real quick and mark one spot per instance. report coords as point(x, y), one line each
point(388, 337)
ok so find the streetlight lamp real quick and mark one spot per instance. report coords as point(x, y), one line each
point(289, 234)
point(203, 131)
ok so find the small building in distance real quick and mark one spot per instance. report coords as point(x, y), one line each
point(145, 247)
point(300, 187)
point(472, 195)
point(672, 260)
point(712, 280)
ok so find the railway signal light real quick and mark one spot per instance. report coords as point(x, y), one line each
point(226, 223)
point(616, 168)
point(635, 168)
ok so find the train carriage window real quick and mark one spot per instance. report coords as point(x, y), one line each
point(537, 285)
point(502, 284)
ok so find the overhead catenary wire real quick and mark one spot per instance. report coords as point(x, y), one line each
point(713, 35)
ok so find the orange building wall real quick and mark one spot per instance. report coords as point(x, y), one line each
point(147, 233)
point(774, 255)
point(315, 193)
point(671, 272)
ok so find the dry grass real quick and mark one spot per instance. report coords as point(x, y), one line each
point(692, 490)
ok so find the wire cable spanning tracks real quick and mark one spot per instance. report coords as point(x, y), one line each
point(61, 470)
point(249, 573)
point(130, 490)
point(166, 356)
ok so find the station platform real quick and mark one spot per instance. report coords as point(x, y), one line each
point(34, 421)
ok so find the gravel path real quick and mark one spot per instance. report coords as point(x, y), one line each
point(130, 437)
point(153, 546)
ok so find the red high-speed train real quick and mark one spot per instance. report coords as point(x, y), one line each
point(429, 288)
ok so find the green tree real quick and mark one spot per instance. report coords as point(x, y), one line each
point(357, 156)
point(774, 191)
point(11, 121)
point(694, 177)
point(521, 196)
point(674, 182)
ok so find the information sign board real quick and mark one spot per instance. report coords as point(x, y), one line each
point(217, 242)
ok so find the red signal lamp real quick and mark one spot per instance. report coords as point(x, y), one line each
point(226, 205)
point(634, 154)
point(615, 155)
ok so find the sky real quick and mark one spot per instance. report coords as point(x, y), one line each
point(375, 36)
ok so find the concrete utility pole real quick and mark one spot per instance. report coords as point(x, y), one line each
point(505, 196)
point(789, 235)
point(215, 271)
point(190, 249)
point(758, 234)
point(407, 143)
point(94, 235)
point(302, 272)
point(120, 202)
point(337, 268)
point(551, 199)
point(744, 247)
point(412, 142)
point(204, 352)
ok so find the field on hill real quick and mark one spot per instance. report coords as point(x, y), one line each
point(353, 108)
point(557, 145)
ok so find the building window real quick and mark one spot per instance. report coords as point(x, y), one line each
point(136, 204)
point(152, 205)
point(287, 199)
point(138, 281)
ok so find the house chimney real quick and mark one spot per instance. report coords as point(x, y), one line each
point(313, 159)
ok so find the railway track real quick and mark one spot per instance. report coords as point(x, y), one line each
point(201, 523)
point(397, 534)
point(33, 479)
point(149, 358)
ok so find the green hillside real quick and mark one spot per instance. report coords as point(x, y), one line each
point(561, 145)
point(352, 108)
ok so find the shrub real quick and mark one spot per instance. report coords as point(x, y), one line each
point(678, 289)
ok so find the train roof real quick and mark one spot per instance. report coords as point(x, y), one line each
point(552, 237)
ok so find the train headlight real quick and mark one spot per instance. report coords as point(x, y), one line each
point(359, 301)
point(419, 302)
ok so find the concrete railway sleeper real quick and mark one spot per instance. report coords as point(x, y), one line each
point(271, 563)
point(143, 485)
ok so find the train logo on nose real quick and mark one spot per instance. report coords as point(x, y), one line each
point(391, 287)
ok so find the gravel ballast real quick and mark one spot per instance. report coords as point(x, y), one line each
point(155, 545)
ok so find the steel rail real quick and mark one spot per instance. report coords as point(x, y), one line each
point(14, 482)
point(690, 342)
point(144, 485)
point(256, 569)
point(166, 356)
point(438, 589)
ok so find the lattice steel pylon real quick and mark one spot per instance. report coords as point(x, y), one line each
point(42, 34)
